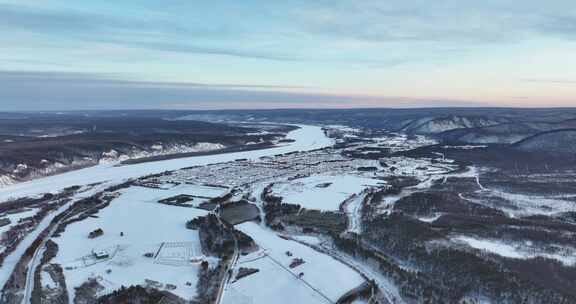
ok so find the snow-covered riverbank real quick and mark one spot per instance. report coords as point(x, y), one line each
point(305, 138)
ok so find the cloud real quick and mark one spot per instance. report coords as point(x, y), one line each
point(144, 33)
point(46, 20)
point(447, 22)
point(311, 32)
point(562, 26)
point(550, 80)
point(195, 49)
point(24, 91)
point(48, 78)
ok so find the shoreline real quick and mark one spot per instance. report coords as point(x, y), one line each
point(306, 137)
point(232, 149)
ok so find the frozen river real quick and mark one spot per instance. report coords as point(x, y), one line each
point(305, 138)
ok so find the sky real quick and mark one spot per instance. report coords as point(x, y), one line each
point(224, 54)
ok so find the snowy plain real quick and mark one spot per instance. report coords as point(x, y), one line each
point(145, 225)
point(322, 192)
point(324, 278)
point(517, 251)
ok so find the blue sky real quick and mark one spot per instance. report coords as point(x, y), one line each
point(182, 54)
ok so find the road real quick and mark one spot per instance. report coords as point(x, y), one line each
point(353, 208)
point(13, 258)
point(29, 287)
point(227, 277)
point(229, 267)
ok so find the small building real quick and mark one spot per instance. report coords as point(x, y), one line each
point(197, 259)
point(96, 233)
point(100, 254)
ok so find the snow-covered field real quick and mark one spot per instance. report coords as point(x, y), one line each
point(200, 193)
point(322, 192)
point(305, 138)
point(324, 279)
point(146, 226)
point(535, 204)
point(386, 286)
point(565, 255)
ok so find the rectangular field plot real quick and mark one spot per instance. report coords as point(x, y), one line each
point(179, 254)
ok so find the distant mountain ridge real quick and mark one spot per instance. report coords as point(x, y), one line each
point(559, 141)
point(506, 133)
point(498, 126)
point(433, 125)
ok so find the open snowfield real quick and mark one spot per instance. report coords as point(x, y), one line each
point(197, 190)
point(147, 226)
point(325, 279)
point(518, 251)
point(322, 192)
point(305, 138)
point(530, 205)
point(200, 193)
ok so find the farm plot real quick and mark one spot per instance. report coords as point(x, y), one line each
point(178, 254)
point(289, 268)
point(188, 195)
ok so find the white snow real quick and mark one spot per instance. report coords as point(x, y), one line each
point(6, 180)
point(202, 193)
point(20, 168)
point(534, 204)
point(15, 217)
point(147, 226)
point(199, 190)
point(492, 246)
point(567, 256)
point(16, 255)
point(322, 192)
point(465, 147)
point(270, 285)
point(325, 279)
point(308, 239)
point(429, 219)
point(353, 208)
point(47, 280)
point(305, 138)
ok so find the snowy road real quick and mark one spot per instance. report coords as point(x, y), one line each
point(13, 258)
point(353, 209)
